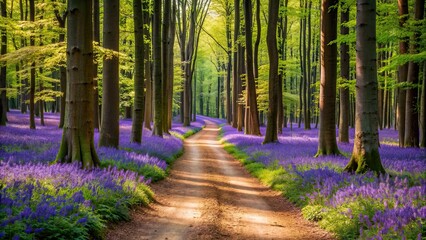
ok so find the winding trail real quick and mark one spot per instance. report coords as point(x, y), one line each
point(209, 195)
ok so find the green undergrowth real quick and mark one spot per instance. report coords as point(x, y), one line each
point(148, 171)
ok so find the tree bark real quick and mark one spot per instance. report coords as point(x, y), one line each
point(327, 144)
point(158, 81)
point(96, 38)
point(344, 74)
point(148, 64)
point(165, 63)
point(32, 71)
point(365, 155)
point(423, 109)
point(138, 102)
point(402, 72)
point(251, 104)
point(411, 136)
point(109, 134)
point(3, 50)
point(77, 139)
point(271, 40)
point(235, 73)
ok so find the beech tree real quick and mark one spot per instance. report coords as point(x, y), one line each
point(344, 74)
point(109, 131)
point(271, 129)
point(32, 71)
point(327, 144)
point(252, 114)
point(158, 81)
point(77, 143)
point(365, 155)
point(138, 101)
point(3, 50)
point(411, 136)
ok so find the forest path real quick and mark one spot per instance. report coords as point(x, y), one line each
point(209, 195)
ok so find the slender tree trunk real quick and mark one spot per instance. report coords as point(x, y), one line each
point(423, 109)
point(158, 81)
point(138, 102)
point(229, 115)
point(165, 63)
point(411, 137)
point(96, 38)
point(77, 139)
point(109, 134)
point(235, 73)
point(344, 74)
point(271, 40)
point(365, 155)
point(3, 50)
point(147, 61)
point(402, 72)
point(170, 68)
point(251, 105)
point(32, 72)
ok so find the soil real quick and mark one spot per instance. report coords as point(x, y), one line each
point(209, 195)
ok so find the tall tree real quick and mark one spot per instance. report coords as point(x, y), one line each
point(411, 136)
point(344, 74)
point(166, 78)
point(109, 134)
point(138, 78)
point(77, 143)
point(251, 100)
point(32, 71)
point(271, 40)
point(3, 50)
point(96, 38)
point(327, 144)
point(235, 74)
point(365, 155)
point(423, 109)
point(148, 63)
point(158, 81)
point(402, 73)
point(61, 18)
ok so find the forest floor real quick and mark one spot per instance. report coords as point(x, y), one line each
point(209, 195)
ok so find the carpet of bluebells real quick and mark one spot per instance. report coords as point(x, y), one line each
point(351, 206)
point(41, 200)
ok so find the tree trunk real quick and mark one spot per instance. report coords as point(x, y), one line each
point(138, 101)
point(251, 104)
point(32, 72)
point(344, 74)
point(402, 72)
point(158, 82)
point(423, 109)
point(109, 134)
point(3, 50)
point(271, 40)
point(147, 59)
point(77, 139)
point(96, 38)
point(171, 43)
point(327, 133)
point(411, 138)
point(165, 64)
point(365, 155)
point(235, 73)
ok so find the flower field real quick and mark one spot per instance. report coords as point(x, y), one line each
point(351, 206)
point(41, 200)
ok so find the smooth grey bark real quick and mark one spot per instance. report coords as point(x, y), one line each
point(109, 131)
point(138, 78)
point(157, 80)
point(365, 155)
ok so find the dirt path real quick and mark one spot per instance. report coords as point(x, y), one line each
point(208, 195)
